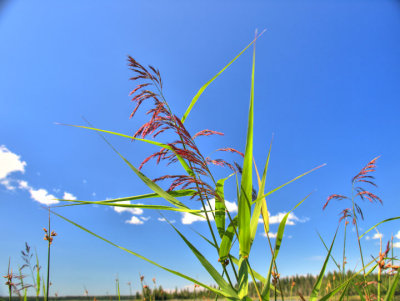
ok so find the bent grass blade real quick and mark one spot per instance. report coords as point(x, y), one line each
point(225, 287)
point(198, 94)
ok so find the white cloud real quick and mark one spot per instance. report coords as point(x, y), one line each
point(68, 196)
point(396, 245)
point(161, 219)
point(145, 218)
point(188, 218)
point(271, 234)
point(291, 221)
point(377, 236)
point(134, 221)
point(135, 211)
point(42, 196)
point(7, 184)
point(397, 235)
point(9, 162)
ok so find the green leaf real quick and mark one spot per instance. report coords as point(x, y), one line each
point(318, 283)
point(219, 292)
point(198, 94)
point(225, 287)
point(220, 206)
point(154, 207)
point(162, 145)
point(227, 239)
point(384, 221)
point(173, 193)
point(392, 288)
point(279, 236)
point(246, 185)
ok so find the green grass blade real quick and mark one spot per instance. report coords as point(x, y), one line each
point(153, 207)
point(318, 283)
point(219, 292)
point(283, 185)
point(384, 221)
point(225, 287)
point(391, 291)
point(162, 145)
point(198, 94)
point(220, 206)
point(246, 185)
point(320, 237)
point(267, 283)
point(173, 193)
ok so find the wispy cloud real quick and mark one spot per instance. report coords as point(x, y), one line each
point(188, 218)
point(396, 245)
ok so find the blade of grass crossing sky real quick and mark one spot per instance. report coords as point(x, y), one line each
point(162, 145)
point(225, 287)
point(283, 185)
point(173, 193)
point(384, 221)
point(198, 94)
point(281, 229)
point(318, 283)
point(153, 186)
point(153, 207)
point(219, 292)
point(323, 242)
point(246, 185)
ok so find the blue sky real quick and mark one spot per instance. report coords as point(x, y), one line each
point(327, 86)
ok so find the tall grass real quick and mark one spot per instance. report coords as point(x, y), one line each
point(234, 273)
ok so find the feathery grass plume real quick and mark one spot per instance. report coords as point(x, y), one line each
point(364, 177)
